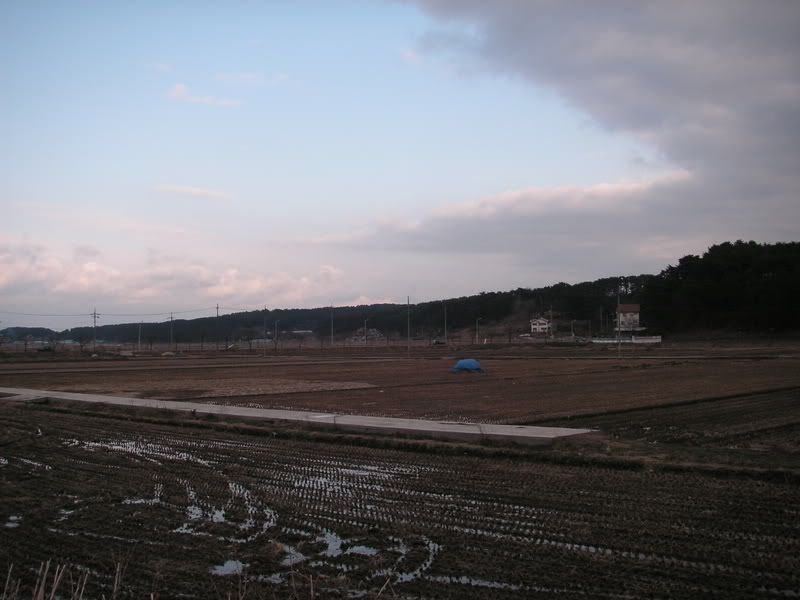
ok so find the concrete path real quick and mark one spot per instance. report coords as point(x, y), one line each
point(444, 430)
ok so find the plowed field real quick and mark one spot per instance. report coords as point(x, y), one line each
point(199, 513)
point(693, 489)
point(509, 391)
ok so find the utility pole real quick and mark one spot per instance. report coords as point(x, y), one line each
point(139, 341)
point(408, 324)
point(265, 331)
point(276, 335)
point(94, 328)
point(476, 329)
point(619, 325)
point(217, 336)
point(444, 304)
point(365, 332)
point(170, 331)
point(331, 326)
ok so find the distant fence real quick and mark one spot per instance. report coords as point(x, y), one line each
point(636, 339)
point(646, 339)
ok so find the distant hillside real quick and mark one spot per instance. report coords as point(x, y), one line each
point(743, 286)
point(13, 334)
point(733, 286)
point(591, 302)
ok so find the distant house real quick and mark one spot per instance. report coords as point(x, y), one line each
point(628, 318)
point(541, 325)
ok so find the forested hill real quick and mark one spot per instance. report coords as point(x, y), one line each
point(741, 286)
point(591, 300)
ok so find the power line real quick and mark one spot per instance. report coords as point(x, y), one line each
point(22, 314)
point(155, 314)
point(151, 314)
point(160, 314)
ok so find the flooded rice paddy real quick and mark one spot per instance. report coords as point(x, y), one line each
point(195, 512)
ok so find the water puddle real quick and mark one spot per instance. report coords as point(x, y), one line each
point(473, 581)
point(13, 521)
point(229, 567)
point(293, 556)
point(148, 451)
point(34, 464)
point(361, 550)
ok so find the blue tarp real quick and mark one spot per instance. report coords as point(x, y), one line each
point(468, 365)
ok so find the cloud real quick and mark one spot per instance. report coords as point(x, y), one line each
point(99, 221)
point(711, 87)
point(169, 277)
point(161, 282)
point(162, 67)
point(196, 192)
point(604, 198)
point(30, 269)
point(329, 274)
point(84, 252)
point(88, 276)
point(707, 84)
point(579, 231)
point(368, 300)
point(180, 93)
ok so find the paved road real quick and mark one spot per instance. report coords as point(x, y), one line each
point(521, 434)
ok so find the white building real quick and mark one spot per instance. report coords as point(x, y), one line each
point(541, 325)
point(628, 318)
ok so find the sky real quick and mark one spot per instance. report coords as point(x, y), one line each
point(175, 156)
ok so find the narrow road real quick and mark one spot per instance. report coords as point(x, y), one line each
point(443, 430)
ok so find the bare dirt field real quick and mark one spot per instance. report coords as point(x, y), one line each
point(521, 389)
point(693, 492)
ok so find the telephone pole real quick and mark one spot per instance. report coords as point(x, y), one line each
point(265, 331)
point(170, 331)
point(139, 341)
point(619, 325)
point(217, 336)
point(444, 304)
point(94, 328)
point(408, 324)
point(331, 326)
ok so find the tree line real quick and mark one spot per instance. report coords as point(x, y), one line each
point(743, 286)
point(733, 286)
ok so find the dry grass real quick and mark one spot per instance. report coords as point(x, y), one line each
point(49, 586)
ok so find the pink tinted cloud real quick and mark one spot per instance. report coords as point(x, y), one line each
point(29, 270)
